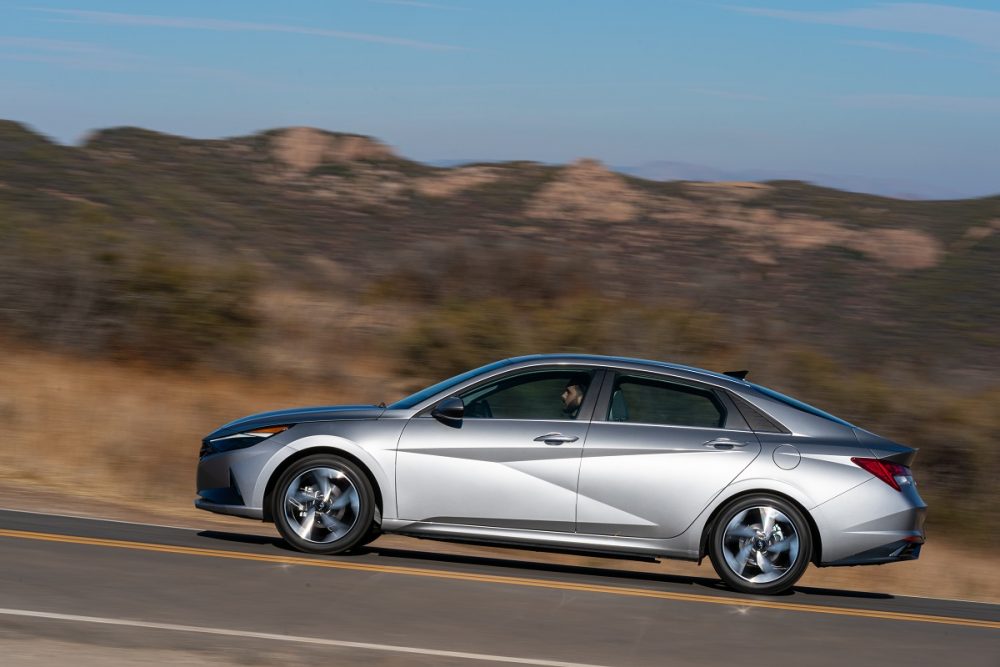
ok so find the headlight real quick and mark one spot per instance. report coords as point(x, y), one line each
point(240, 440)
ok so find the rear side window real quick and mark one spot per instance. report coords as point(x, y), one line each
point(642, 400)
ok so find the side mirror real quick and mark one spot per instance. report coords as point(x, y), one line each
point(449, 412)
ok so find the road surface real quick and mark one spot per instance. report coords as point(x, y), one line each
point(98, 592)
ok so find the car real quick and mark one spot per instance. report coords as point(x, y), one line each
point(608, 456)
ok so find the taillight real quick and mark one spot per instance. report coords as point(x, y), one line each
point(895, 475)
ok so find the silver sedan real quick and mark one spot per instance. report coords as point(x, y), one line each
point(601, 455)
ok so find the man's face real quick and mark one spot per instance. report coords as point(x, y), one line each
point(572, 396)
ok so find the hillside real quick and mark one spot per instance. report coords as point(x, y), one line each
point(855, 274)
point(299, 257)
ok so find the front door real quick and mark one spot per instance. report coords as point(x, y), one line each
point(513, 461)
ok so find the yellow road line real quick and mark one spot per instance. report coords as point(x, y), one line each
point(500, 579)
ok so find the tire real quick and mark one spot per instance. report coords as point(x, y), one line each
point(323, 504)
point(760, 544)
point(373, 534)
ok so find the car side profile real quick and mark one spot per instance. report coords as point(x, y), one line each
point(600, 455)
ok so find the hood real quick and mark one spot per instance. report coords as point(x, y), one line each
point(297, 416)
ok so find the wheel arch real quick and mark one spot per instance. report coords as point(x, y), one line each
point(706, 530)
point(312, 451)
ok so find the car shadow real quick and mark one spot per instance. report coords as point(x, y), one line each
point(243, 538)
point(515, 564)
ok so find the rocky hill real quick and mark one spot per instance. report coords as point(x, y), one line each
point(863, 277)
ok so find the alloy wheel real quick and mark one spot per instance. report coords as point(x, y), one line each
point(321, 505)
point(760, 544)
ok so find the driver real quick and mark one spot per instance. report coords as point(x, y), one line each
point(572, 396)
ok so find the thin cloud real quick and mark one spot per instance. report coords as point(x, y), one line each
point(884, 46)
point(729, 94)
point(89, 56)
point(975, 26)
point(77, 55)
point(222, 25)
point(57, 45)
point(921, 102)
point(421, 5)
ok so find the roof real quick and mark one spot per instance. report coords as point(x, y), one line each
point(603, 359)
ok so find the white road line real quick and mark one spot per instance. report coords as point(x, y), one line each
point(389, 648)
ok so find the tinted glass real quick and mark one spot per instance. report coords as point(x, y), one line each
point(647, 401)
point(534, 395)
point(798, 405)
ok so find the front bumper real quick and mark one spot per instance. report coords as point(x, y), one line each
point(227, 482)
point(231, 510)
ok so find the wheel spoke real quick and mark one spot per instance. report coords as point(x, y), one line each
point(743, 556)
point(298, 498)
point(331, 524)
point(305, 527)
point(322, 477)
point(738, 562)
point(741, 531)
point(767, 517)
point(349, 497)
point(784, 545)
point(765, 565)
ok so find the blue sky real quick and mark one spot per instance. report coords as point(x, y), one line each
point(887, 90)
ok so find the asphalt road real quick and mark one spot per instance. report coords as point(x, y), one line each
point(130, 593)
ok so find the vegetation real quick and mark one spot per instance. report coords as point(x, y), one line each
point(139, 247)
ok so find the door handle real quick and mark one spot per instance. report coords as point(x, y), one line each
point(556, 438)
point(724, 443)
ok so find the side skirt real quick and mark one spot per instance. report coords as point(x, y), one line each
point(605, 546)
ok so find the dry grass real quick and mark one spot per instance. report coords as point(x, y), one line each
point(92, 428)
point(120, 441)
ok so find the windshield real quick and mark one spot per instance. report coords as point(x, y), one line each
point(444, 385)
point(798, 405)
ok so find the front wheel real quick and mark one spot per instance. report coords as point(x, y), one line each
point(760, 544)
point(323, 504)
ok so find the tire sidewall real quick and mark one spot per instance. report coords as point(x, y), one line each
point(366, 505)
point(794, 573)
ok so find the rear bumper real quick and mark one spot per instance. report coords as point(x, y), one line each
point(870, 524)
point(887, 553)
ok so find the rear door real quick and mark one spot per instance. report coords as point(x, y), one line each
point(658, 451)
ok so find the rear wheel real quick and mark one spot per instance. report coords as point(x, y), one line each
point(760, 544)
point(323, 504)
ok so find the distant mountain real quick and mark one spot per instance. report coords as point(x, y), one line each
point(898, 188)
point(666, 170)
point(778, 256)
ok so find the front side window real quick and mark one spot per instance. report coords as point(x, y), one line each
point(548, 395)
point(647, 401)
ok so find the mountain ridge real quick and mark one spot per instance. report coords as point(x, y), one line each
point(911, 276)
